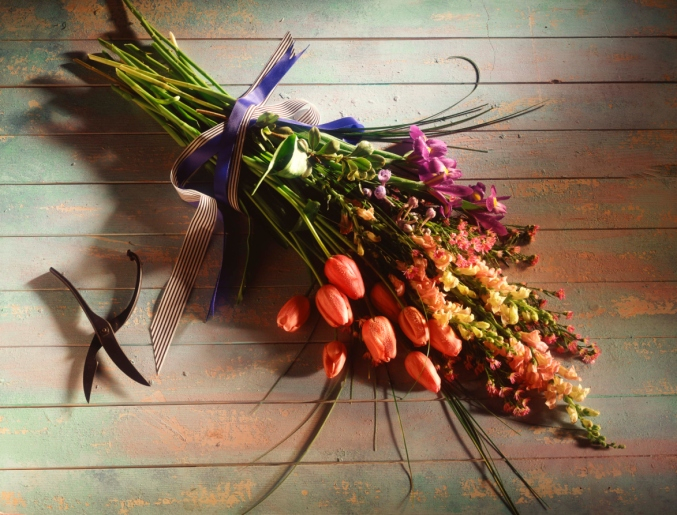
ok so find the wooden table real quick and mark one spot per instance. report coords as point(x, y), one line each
point(84, 177)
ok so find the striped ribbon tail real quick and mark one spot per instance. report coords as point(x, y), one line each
point(226, 141)
point(175, 294)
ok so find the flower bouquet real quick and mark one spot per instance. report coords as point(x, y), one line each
point(406, 261)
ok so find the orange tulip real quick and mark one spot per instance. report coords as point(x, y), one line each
point(294, 313)
point(334, 358)
point(343, 273)
point(443, 338)
point(379, 337)
point(384, 301)
point(414, 325)
point(334, 306)
point(420, 368)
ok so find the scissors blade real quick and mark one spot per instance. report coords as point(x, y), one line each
point(91, 364)
point(114, 351)
point(118, 321)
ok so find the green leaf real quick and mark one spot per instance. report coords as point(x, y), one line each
point(330, 147)
point(310, 210)
point(363, 149)
point(266, 119)
point(288, 161)
point(377, 162)
point(363, 164)
point(469, 206)
point(314, 137)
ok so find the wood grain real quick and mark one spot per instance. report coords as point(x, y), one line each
point(378, 61)
point(69, 210)
point(235, 374)
point(94, 158)
point(599, 256)
point(42, 111)
point(614, 484)
point(431, 19)
point(83, 177)
point(52, 317)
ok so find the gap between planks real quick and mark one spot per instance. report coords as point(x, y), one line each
point(382, 38)
point(325, 463)
point(300, 403)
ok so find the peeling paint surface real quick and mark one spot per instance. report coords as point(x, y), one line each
point(84, 177)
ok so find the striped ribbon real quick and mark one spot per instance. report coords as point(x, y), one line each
point(225, 140)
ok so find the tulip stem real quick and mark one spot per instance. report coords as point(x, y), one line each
point(404, 438)
point(293, 244)
point(335, 393)
point(373, 383)
point(270, 390)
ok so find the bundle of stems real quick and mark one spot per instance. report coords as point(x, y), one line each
point(423, 241)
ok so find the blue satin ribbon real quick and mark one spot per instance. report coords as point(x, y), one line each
point(223, 146)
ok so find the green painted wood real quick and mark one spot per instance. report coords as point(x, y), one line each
point(53, 317)
point(45, 318)
point(50, 110)
point(96, 158)
point(378, 61)
point(623, 281)
point(164, 435)
point(41, 210)
point(610, 483)
point(233, 374)
point(100, 262)
point(492, 18)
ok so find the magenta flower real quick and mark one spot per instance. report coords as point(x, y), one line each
point(493, 204)
point(425, 149)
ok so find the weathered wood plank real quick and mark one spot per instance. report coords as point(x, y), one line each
point(244, 373)
point(70, 210)
point(49, 110)
point(609, 483)
point(213, 19)
point(94, 158)
point(232, 434)
point(44, 318)
point(100, 262)
point(379, 61)
point(52, 317)
point(614, 484)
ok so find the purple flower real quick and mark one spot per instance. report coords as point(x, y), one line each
point(425, 149)
point(366, 192)
point(493, 203)
point(380, 192)
point(446, 166)
point(430, 213)
point(489, 221)
point(478, 191)
point(384, 176)
point(447, 202)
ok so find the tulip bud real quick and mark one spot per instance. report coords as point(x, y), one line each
point(333, 306)
point(414, 325)
point(384, 301)
point(334, 358)
point(294, 313)
point(379, 337)
point(343, 273)
point(420, 368)
point(443, 338)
